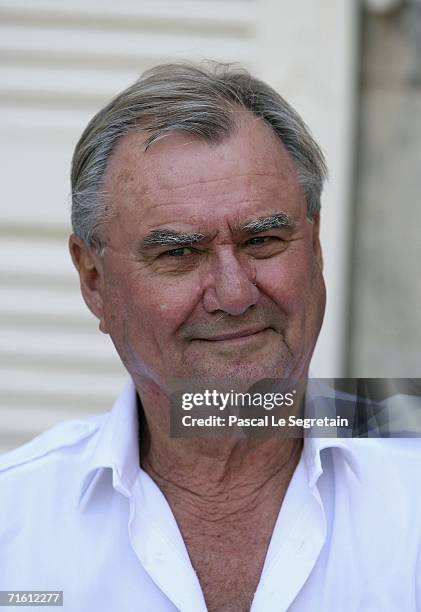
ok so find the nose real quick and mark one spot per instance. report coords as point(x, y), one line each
point(230, 286)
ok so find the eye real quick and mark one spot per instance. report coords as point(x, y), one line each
point(180, 252)
point(259, 240)
point(262, 247)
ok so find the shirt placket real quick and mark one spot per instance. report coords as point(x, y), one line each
point(162, 552)
point(287, 569)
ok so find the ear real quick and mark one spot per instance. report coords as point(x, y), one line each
point(89, 266)
point(316, 240)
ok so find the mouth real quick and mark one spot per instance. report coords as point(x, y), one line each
point(237, 337)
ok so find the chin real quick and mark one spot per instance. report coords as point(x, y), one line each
point(240, 371)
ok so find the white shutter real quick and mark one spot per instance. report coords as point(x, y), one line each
point(59, 62)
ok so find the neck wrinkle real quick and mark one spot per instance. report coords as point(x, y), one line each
point(243, 479)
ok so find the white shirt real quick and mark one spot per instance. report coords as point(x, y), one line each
point(78, 514)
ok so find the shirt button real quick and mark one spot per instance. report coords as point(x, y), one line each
point(302, 547)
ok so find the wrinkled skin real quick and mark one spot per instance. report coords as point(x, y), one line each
point(169, 310)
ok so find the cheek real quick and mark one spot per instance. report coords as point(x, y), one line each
point(155, 310)
point(295, 283)
point(286, 280)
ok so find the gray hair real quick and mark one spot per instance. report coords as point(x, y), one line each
point(190, 99)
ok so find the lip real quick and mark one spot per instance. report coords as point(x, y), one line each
point(238, 335)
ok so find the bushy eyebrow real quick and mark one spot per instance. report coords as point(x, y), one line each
point(280, 220)
point(168, 237)
point(172, 238)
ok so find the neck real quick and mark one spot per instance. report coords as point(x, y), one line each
point(213, 477)
point(225, 495)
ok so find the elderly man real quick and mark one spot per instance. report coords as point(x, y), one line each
point(196, 198)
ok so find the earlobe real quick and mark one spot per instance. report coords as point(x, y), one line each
point(89, 267)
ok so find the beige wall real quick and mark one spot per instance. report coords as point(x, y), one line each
point(385, 327)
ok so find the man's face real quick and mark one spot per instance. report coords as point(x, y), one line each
point(211, 267)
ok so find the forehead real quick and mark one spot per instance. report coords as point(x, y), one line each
point(186, 180)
